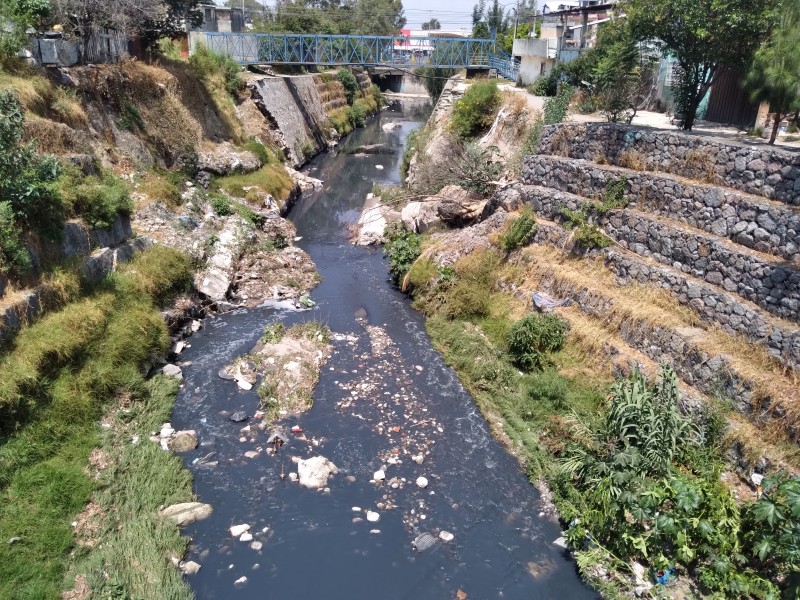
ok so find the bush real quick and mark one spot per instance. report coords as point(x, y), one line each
point(469, 295)
point(13, 256)
point(160, 272)
point(533, 337)
point(544, 392)
point(220, 204)
point(27, 181)
point(520, 230)
point(402, 249)
point(422, 273)
point(357, 114)
point(350, 84)
point(99, 199)
point(545, 85)
point(474, 112)
point(206, 64)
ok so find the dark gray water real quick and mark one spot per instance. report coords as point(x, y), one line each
point(312, 548)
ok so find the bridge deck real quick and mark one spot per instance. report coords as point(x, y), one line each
point(365, 51)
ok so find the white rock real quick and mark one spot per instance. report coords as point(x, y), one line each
point(379, 167)
point(561, 542)
point(190, 567)
point(446, 536)
point(245, 385)
point(379, 475)
point(315, 471)
point(256, 546)
point(196, 326)
point(179, 347)
point(422, 482)
point(292, 477)
point(373, 517)
point(241, 581)
point(756, 478)
point(356, 509)
point(419, 459)
point(374, 530)
point(187, 512)
point(173, 371)
point(166, 430)
point(237, 530)
point(246, 537)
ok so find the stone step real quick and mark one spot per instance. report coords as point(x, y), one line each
point(753, 168)
point(752, 221)
point(771, 284)
point(705, 359)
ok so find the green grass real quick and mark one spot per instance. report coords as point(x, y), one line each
point(271, 179)
point(56, 381)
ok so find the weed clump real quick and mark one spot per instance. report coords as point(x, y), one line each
point(402, 249)
point(469, 293)
point(520, 230)
point(207, 64)
point(533, 337)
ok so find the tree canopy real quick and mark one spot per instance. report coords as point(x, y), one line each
point(432, 24)
point(703, 36)
point(774, 76)
point(345, 17)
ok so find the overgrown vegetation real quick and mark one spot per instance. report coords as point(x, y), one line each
point(350, 84)
point(475, 111)
point(534, 337)
point(208, 64)
point(97, 199)
point(402, 248)
point(520, 230)
point(56, 381)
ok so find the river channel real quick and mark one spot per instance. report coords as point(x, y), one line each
point(384, 395)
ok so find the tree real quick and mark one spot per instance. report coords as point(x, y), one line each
point(495, 18)
point(378, 17)
point(477, 13)
point(621, 74)
point(432, 24)
point(171, 21)
point(481, 31)
point(16, 16)
point(703, 36)
point(774, 76)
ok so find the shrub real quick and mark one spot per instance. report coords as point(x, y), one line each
point(475, 110)
point(544, 393)
point(520, 230)
point(273, 333)
point(357, 114)
point(350, 84)
point(13, 256)
point(206, 64)
point(27, 181)
point(546, 84)
point(99, 199)
point(220, 204)
point(402, 249)
point(533, 337)
point(422, 273)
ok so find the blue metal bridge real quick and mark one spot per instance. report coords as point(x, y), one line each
point(400, 52)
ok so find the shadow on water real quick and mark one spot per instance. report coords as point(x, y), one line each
point(312, 548)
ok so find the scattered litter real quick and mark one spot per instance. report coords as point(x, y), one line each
point(424, 541)
point(422, 482)
point(561, 542)
point(546, 304)
point(446, 536)
point(373, 517)
point(241, 581)
point(256, 546)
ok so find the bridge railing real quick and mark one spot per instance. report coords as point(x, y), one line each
point(367, 51)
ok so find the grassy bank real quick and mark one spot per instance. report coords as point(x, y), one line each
point(635, 475)
point(57, 381)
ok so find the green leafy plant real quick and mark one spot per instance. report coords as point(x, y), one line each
point(220, 203)
point(99, 199)
point(350, 84)
point(13, 256)
point(402, 249)
point(206, 64)
point(520, 230)
point(273, 333)
point(474, 112)
point(533, 337)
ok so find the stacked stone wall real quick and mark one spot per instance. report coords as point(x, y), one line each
point(763, 170)
point(748, 220)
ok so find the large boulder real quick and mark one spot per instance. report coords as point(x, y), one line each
point(183, 441)
point(421, 216)
point(226, 159)
point(509, 200)
point(315, 471)
point(187, 512)
point(460, 207)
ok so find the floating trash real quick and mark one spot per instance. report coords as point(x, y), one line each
point(424, 541)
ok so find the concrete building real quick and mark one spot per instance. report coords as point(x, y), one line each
point(222, 19)
point(537, 57)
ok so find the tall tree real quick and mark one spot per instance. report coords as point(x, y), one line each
point(703, 36)
point(431, 25)
point(774, 76)
point(477, 12)
point(495, 18)
point(378, 17)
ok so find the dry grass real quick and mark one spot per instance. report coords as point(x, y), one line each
point(560, 142)
point(56, 138)
point(698, 165)
point(40, 96)
point(159, 187)
point(631, 159)
point(515, 103)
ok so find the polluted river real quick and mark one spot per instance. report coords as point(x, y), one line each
point(386, 401)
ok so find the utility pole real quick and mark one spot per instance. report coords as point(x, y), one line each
point(516, 18)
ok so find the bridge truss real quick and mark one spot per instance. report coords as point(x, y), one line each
point(362, 50)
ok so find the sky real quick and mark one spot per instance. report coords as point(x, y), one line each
point(452, 14)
